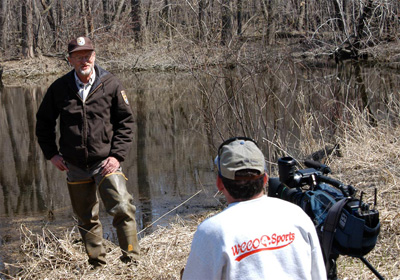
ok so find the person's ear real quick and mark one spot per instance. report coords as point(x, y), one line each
point(265, 179)
point(220, 185)
point(69, 61)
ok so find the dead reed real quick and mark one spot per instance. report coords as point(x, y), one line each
point(371, 159)
point(48, 256)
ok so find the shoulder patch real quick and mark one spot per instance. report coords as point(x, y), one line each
point(124, 97)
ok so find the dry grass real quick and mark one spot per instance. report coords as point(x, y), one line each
point(370, 159)
point(48, 256)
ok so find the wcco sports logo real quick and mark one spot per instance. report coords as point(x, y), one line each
point(263, 243)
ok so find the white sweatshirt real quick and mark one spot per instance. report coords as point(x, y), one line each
point(263, 238)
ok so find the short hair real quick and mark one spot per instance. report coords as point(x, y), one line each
point(243, 188)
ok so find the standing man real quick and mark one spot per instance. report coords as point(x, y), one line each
point(96, 131)
point(256, 237)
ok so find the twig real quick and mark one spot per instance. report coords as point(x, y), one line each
point(169, 212)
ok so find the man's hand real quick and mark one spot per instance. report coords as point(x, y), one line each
point(58, 162)
point(110, 165)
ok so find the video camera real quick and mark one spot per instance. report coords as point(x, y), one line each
point(345, 225)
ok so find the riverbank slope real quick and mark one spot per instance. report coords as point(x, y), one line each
point(185, 56)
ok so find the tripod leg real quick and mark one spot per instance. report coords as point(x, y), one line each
point(371, 268)
point(332, 267)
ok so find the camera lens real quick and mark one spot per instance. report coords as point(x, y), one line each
point(287, 168)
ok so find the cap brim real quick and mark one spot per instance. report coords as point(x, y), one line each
point(82, 49)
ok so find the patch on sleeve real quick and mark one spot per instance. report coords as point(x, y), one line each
point(124, 97)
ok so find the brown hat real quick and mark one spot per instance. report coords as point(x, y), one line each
point(80, 44)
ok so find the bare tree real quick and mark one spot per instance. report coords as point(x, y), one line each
point(201, 12)
point(148, 12)
point(136, 20)
point(49, 11)
point(37, 23)
point(165, 14)
point(239, 16)
point(268, 10)
point(106, 12)
point(362, 21)
point(87, 17)
point(59, 12)
point(27, 29)
point(117, 14)
point(302, 15)
point(3, 17)
point(226, 20)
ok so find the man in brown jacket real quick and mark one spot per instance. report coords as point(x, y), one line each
point(96, 131)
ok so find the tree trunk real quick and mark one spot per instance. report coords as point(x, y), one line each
point(136, 20)
point(340, 14)
point(36, 28)
point(90, 18)
point(106, 13)
point(87, 18)
point(147, 21)
point(226, 20)
point(3, 17)
point(268, 11)
point(27, 29)
point(117, 14)
point(239, 17)
point(302, 16)
point(366, 14)
point(84, 19)
point(200, 19)
point(48, 9)
point(166, 11)
point(59, 14)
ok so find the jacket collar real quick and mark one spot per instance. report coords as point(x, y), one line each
point(101, 75)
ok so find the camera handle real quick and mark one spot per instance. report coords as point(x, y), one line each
point(347, 190)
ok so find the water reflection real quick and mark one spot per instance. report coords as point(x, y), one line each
point(180, 121)
point(142, 170)
point(23, 179)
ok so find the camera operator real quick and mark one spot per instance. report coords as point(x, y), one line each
point(256, 237)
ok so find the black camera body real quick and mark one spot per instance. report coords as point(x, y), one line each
point(356, 227)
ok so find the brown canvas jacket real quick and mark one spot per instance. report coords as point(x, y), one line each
point(90, 131)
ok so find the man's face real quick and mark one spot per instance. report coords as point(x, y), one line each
point(83, 62)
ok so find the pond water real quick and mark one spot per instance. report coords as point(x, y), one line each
point(181, 118)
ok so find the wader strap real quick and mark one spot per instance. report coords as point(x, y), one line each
point(80, 182)
point(114, 173)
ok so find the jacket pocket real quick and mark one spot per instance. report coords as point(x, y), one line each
point(71, 130)
point(99, 134)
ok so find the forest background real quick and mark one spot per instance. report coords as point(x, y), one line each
point(187, 34)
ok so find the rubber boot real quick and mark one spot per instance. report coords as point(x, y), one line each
point(118, 203)
point(85, 204)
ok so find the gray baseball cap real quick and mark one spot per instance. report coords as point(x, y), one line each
point(237, 155)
